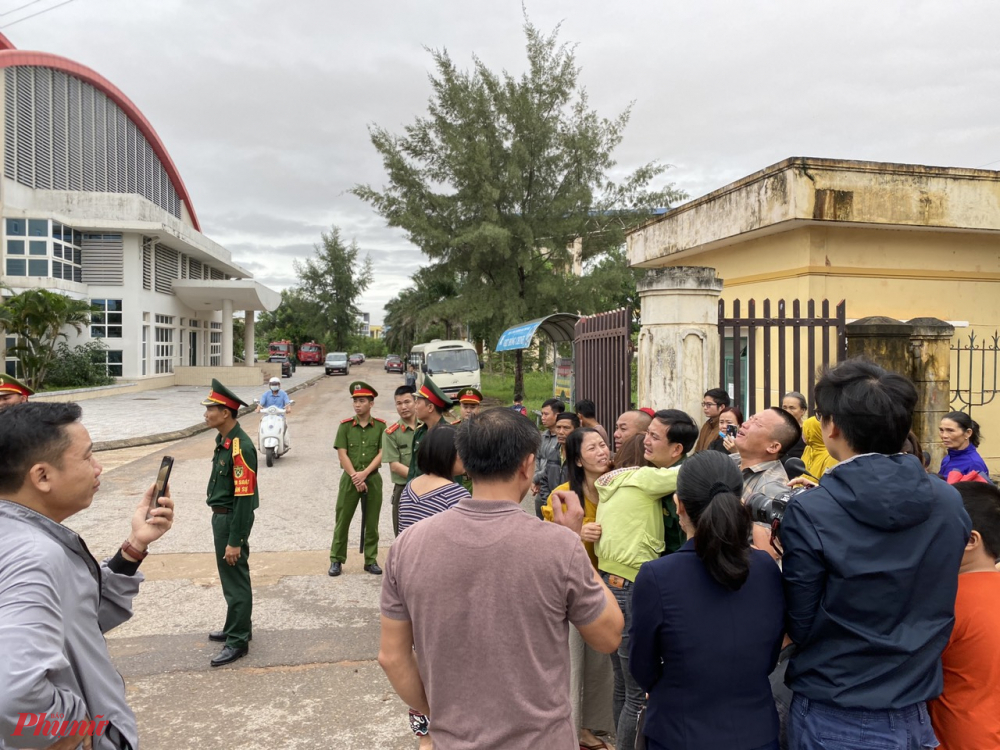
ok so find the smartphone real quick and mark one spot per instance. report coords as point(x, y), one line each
point(731, 430)
point(162, 480)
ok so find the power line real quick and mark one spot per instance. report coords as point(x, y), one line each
point(39, 13)
point(21, 7)
point(996, 161)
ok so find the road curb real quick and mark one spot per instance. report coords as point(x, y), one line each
point(166, 437)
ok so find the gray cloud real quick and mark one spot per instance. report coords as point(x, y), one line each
point(265, 107)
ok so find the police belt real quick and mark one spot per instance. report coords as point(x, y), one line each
point(220, 510)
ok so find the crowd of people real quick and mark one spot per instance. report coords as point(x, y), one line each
point(779, 581)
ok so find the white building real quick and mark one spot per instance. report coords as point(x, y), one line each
point(93, 207)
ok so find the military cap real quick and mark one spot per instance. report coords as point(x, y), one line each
point(222, 396)
point(361, 389)
point(435, 395)
point(470, 396)
point(13, 385)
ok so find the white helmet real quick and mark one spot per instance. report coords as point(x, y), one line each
point(275, 381)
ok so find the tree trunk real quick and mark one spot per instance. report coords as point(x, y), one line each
point(519, 371)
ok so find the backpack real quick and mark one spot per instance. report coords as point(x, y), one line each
point(520, 409)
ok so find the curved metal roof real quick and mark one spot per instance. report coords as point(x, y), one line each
point(558, 327)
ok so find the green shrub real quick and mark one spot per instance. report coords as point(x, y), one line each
point(80, 367)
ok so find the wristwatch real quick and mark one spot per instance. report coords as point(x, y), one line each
point(132, 552)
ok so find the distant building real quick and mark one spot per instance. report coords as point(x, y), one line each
point(376, 331)
point(364, 325)
point(94, 208)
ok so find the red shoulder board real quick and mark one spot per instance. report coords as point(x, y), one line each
point(378, 419)
point(345, 421)
point(226, 443)
point(392, 428)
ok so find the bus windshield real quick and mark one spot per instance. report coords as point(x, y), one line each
point(452, 360)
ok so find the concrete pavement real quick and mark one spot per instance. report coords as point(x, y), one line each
point(311, 678)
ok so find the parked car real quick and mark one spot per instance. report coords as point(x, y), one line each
point(337, 362)
point(287, 368)
point(357, 359)
point(393, 363)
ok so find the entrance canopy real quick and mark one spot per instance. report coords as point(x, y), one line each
point(558, 327)
point(245, 294)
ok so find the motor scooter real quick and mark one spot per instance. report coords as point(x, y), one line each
point(271, 433)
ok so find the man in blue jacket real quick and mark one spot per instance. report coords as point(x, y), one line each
point(871, 560)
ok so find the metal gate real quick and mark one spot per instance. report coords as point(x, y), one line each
point(602, 356)
point(755, 368)
point(974, 373)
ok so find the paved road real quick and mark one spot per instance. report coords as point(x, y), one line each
point(311, 679)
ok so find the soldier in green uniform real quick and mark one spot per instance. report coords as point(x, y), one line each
point(359, 447)
point(431, 405)
point(397, 447)
point(13, 391)
point(233, 498)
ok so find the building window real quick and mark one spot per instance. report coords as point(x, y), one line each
point(215, 345)
point(106, 319)
point(113, 361)
point(145, 347)
point(55, 255)
point(163, 353)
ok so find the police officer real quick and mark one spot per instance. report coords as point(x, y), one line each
point(397, 447)
point(13, 391)
point(469, 400)
point(233, 498)
point(432, 403)
point(359, 447)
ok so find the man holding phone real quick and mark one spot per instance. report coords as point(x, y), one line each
point(233, 498)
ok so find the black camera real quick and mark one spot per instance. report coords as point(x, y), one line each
point(770, 510)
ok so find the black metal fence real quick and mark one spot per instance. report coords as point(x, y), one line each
point(755, 356)
point(974, 371)
point(602, 358)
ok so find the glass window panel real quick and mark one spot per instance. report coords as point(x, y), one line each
point(38, 267)
point(115, 318)
point(38, 247)
point(11, 342)
point(15, 247)
point(115, 371)
point(97, 317)
point(57, 269)
point(115, 304)
point(114, 332)
point(115, 356)
point(16, 267)
point(56, 230)
point(77, 237)
point(78, 275)
point(76, 255)
point(57, 249)
point(98, 304)
point(96, 332)
point(38, 227)
point(16, 227)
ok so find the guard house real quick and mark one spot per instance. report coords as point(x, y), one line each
point(898, 240)
point(93, 207)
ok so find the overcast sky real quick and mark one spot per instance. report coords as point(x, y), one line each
point(264, 106)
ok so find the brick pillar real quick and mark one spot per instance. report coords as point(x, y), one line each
point(884, 341)
point(931, 373)
point(679, 341)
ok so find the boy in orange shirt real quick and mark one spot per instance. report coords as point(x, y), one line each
point(967, 713)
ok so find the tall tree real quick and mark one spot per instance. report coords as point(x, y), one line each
point(503, 174)
point(333, 282)
point(39, 319)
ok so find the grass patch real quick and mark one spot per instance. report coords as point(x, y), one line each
point(537, 388)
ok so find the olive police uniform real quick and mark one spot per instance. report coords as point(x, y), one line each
point(13, 385)
point(233, 498)
point(467, 396)
point(397, 447)
point(430, 391)
point(363, 444)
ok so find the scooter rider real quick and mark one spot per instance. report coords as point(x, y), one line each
point(276, 396)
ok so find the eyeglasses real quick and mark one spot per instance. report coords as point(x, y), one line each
point(709, 404)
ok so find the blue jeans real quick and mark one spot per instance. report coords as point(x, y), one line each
point(629, 697)
point(820, 725)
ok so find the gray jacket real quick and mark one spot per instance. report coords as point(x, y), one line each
point(548, 450)
point(56, 602)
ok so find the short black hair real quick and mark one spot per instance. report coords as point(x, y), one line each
point(32, 433)
point(518, 397)
point(586, 408)
point(680, 427)
point(404, 390)
point(569, 416)
point(789, 432)
point(436, 454)
point(719, 396)
point(493, 443)
point(555, 404)
point(871, 406)
point(982, 503)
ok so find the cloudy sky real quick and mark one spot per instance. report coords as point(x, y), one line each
point(264, 106)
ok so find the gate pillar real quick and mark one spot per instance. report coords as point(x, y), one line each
point(931, 348)
point(679, 341)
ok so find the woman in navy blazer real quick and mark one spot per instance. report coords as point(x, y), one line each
point(707, 622)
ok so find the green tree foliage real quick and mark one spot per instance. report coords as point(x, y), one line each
point(294, 320)
point(499, 178)
point(80, 367)
point(39, 319)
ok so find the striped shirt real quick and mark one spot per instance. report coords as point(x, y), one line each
point(413, 507)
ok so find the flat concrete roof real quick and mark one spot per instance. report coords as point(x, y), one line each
point(801, 191)
point(245, 294)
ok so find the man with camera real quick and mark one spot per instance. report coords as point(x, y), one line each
point(871, 561)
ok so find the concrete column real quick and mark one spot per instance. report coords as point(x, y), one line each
point(248, 339)
point(930, 344)
point(679, 341)
point(884, 341)
point(227, 333)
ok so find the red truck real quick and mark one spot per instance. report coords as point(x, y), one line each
point(281, 349)
point(312, 353)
